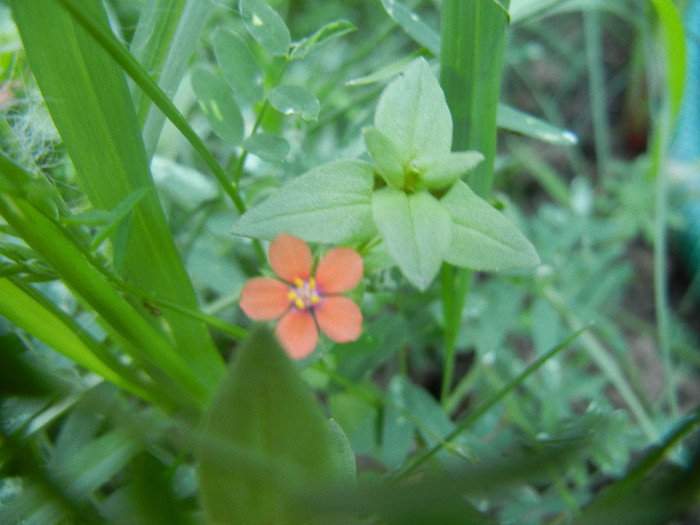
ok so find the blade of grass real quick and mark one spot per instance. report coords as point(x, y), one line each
point(90, 104)
point(165, 36)
point(30, 311)
point(471, 62)
point(488, 404)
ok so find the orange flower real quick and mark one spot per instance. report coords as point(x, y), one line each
point(303, 297)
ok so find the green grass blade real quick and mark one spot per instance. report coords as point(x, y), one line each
point(165, 36)
point(91, 106)
point(471, 62)
point(28, 310)
point(489, 403)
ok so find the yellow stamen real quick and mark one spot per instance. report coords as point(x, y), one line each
point(298, 282)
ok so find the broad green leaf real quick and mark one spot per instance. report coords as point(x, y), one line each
point(514, 120)
point(413, 25)
point(416, 230)
point(483, 238)
point(330, 204)
point(413, 113)
point(264, 440)
point(238, 65)
point(441, 171)
point(346, 465)
point(323, 36)
point(266, 26)
point(295, 100)
point(386, 154)
point(218, 105)
point(267, 146)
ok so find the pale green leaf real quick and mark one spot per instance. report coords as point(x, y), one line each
point(118, 215)
point(482, 237)
point(238, 65)
point(264, 440)
point(413, 113)
point(323, 36)
point(267, 146)
point(330, 204)
point(295, 100)
point(441, 171)
point(266, 26)
point(413, 25)
point(514, 120)
point(416, 230)
point(218, 105)
point(386, 154)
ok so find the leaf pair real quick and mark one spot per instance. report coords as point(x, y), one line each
point(412, 198)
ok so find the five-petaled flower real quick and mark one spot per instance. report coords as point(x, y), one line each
point(301, 297)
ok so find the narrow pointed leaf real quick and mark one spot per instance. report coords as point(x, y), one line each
point(266, 26)
point(264, 440)
point(331, 204)
point(238, 65)
point(416, 230)
point(217, 103)
point(295, 100)
point(482, 237)
point(413, 25)
point(514, 120)
point(323, 36)
point(120, 212)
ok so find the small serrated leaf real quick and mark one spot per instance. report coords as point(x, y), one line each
point(295, 100)
point(238, 65)
point(218, 105)
point(323, 36)
point(267, 146)
point(441, 171)
point(266, 26)
point(386, 154)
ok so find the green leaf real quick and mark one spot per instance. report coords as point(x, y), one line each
point(217, 103)
point(295, 100)
point(515, 120)
point(330, 204)
point(386, 154)
point(416, 231)
point(267, 146)
point(264, 440)
point(413, 113)
point(265, 26)
point(413, 25)
point(482, 237)
point(238, 65)
point(323, 36)
point(346, 465)
point(441, 171)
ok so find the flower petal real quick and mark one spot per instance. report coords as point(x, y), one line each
point(297, 333)
point(264, 299)
point(339, 318)
point(340, 270)
point(290, 258)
